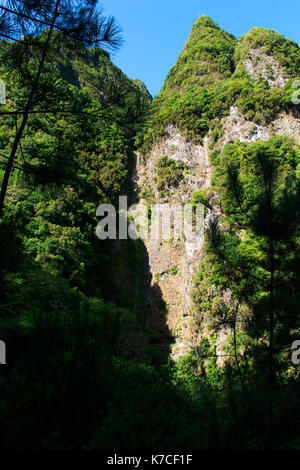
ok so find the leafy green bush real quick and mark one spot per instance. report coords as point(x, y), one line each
point(168, 173)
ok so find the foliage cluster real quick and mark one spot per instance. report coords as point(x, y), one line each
point(168, 173)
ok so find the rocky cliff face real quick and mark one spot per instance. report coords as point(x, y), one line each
point(172, 263)
point(260, 64)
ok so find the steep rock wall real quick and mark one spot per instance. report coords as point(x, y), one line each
point(172, 263)
point(208, 91)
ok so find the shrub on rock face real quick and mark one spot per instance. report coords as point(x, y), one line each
point(168, 173)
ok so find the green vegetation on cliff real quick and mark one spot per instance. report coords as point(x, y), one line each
point(207, 58)
point(210, 77)
point(246, 294)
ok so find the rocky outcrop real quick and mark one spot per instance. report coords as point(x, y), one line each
point(176, 147)
point(235, 126)
point(266, 66)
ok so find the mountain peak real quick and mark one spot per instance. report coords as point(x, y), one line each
point(205, 21)
point(207, 57)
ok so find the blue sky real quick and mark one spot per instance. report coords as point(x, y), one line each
point(155, 30)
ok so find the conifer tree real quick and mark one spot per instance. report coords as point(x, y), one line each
point(259, 255)
point(31, 24)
